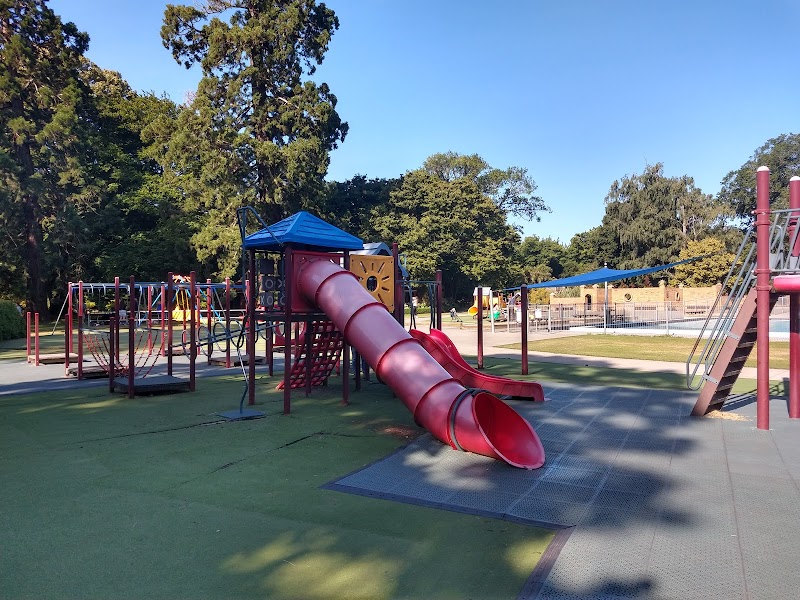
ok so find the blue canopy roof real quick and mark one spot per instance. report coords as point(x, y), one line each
point(302, 228)
point(605, 274)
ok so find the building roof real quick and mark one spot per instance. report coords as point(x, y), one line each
point(305, 229)
point(375, 249)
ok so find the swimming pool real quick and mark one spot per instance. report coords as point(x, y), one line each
point(775, 325)
point(689, 328)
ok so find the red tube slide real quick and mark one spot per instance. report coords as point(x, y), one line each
point(441, 347)
point(482, 423)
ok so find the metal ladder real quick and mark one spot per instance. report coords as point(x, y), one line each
point(716, 362)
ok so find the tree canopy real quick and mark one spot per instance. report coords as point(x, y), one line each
point(653, 217)
point(448, 225)
point(782, 156)
point(709, 270)
point(511, 189)
point(258, 132)
point(44, 145)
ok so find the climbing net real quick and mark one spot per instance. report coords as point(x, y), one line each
point(146, 352)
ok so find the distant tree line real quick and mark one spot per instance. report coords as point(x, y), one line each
point(98, 180)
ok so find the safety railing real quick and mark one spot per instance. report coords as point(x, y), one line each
point(784, 251)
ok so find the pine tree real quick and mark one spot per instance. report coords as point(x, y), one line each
point(257, 132)
point(41, 97)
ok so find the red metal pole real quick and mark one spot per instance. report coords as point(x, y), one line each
point(131, 344)
point(36, 336)
point(112, 347)
point(80, 331)
point(68, 329)
point(227, 322)
point(439, 297)
point(210, 347)
point(345, 352)
point(288, 278)
point(763, 274)
point(523, 327)
point(149, 318)
point(480, 327)
point(70, 308)
point(794, 313)
point(28, 338)
point(192, 328)
point(161, 319)
point(168, 303)
point(116, 314)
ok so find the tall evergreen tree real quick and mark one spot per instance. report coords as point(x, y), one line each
point(540, 259)
point(257, 132)
point(41, 166)
point(591, 250)
point(653, 217)
point(141, 228)
point(349, 204)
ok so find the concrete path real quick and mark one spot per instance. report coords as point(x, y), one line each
point(16, 377)
point(21, 378)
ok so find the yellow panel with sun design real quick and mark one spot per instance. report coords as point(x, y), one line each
point(376, 275)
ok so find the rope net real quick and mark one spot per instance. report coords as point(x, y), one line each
point(146, 352)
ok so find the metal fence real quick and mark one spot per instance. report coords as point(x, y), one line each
point(683, 319)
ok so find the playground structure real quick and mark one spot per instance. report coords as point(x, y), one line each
point(767, 266)
point(488, 298)
point(151, 330)
point(313, 301)
point(301, 270)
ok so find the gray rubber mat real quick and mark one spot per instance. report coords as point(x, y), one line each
point(656, 504)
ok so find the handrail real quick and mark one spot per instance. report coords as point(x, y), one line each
point(739, 281)
point(784, 249)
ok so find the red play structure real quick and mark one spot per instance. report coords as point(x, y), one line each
point(299, 270)
point(767, 266)
point(303, 298)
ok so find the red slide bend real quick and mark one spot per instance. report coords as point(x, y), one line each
point(482, 423)
point(441, 347)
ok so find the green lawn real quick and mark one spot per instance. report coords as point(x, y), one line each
point(545, 372)
point(662, 347)
point(106, 497)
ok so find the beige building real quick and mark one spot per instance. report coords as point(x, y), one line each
point(594, 295)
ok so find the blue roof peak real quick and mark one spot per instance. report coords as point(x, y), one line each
point(302, 228)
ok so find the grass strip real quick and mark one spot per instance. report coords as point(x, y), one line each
point(661, 348)
point(609, 377)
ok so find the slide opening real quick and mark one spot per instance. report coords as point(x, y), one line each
point(511, 436)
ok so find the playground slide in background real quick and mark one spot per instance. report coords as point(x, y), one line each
point(441, 347)
point(479, 423)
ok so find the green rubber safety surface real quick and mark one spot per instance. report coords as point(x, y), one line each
point(158, 497)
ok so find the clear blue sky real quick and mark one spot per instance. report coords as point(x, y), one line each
point(579, 92)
